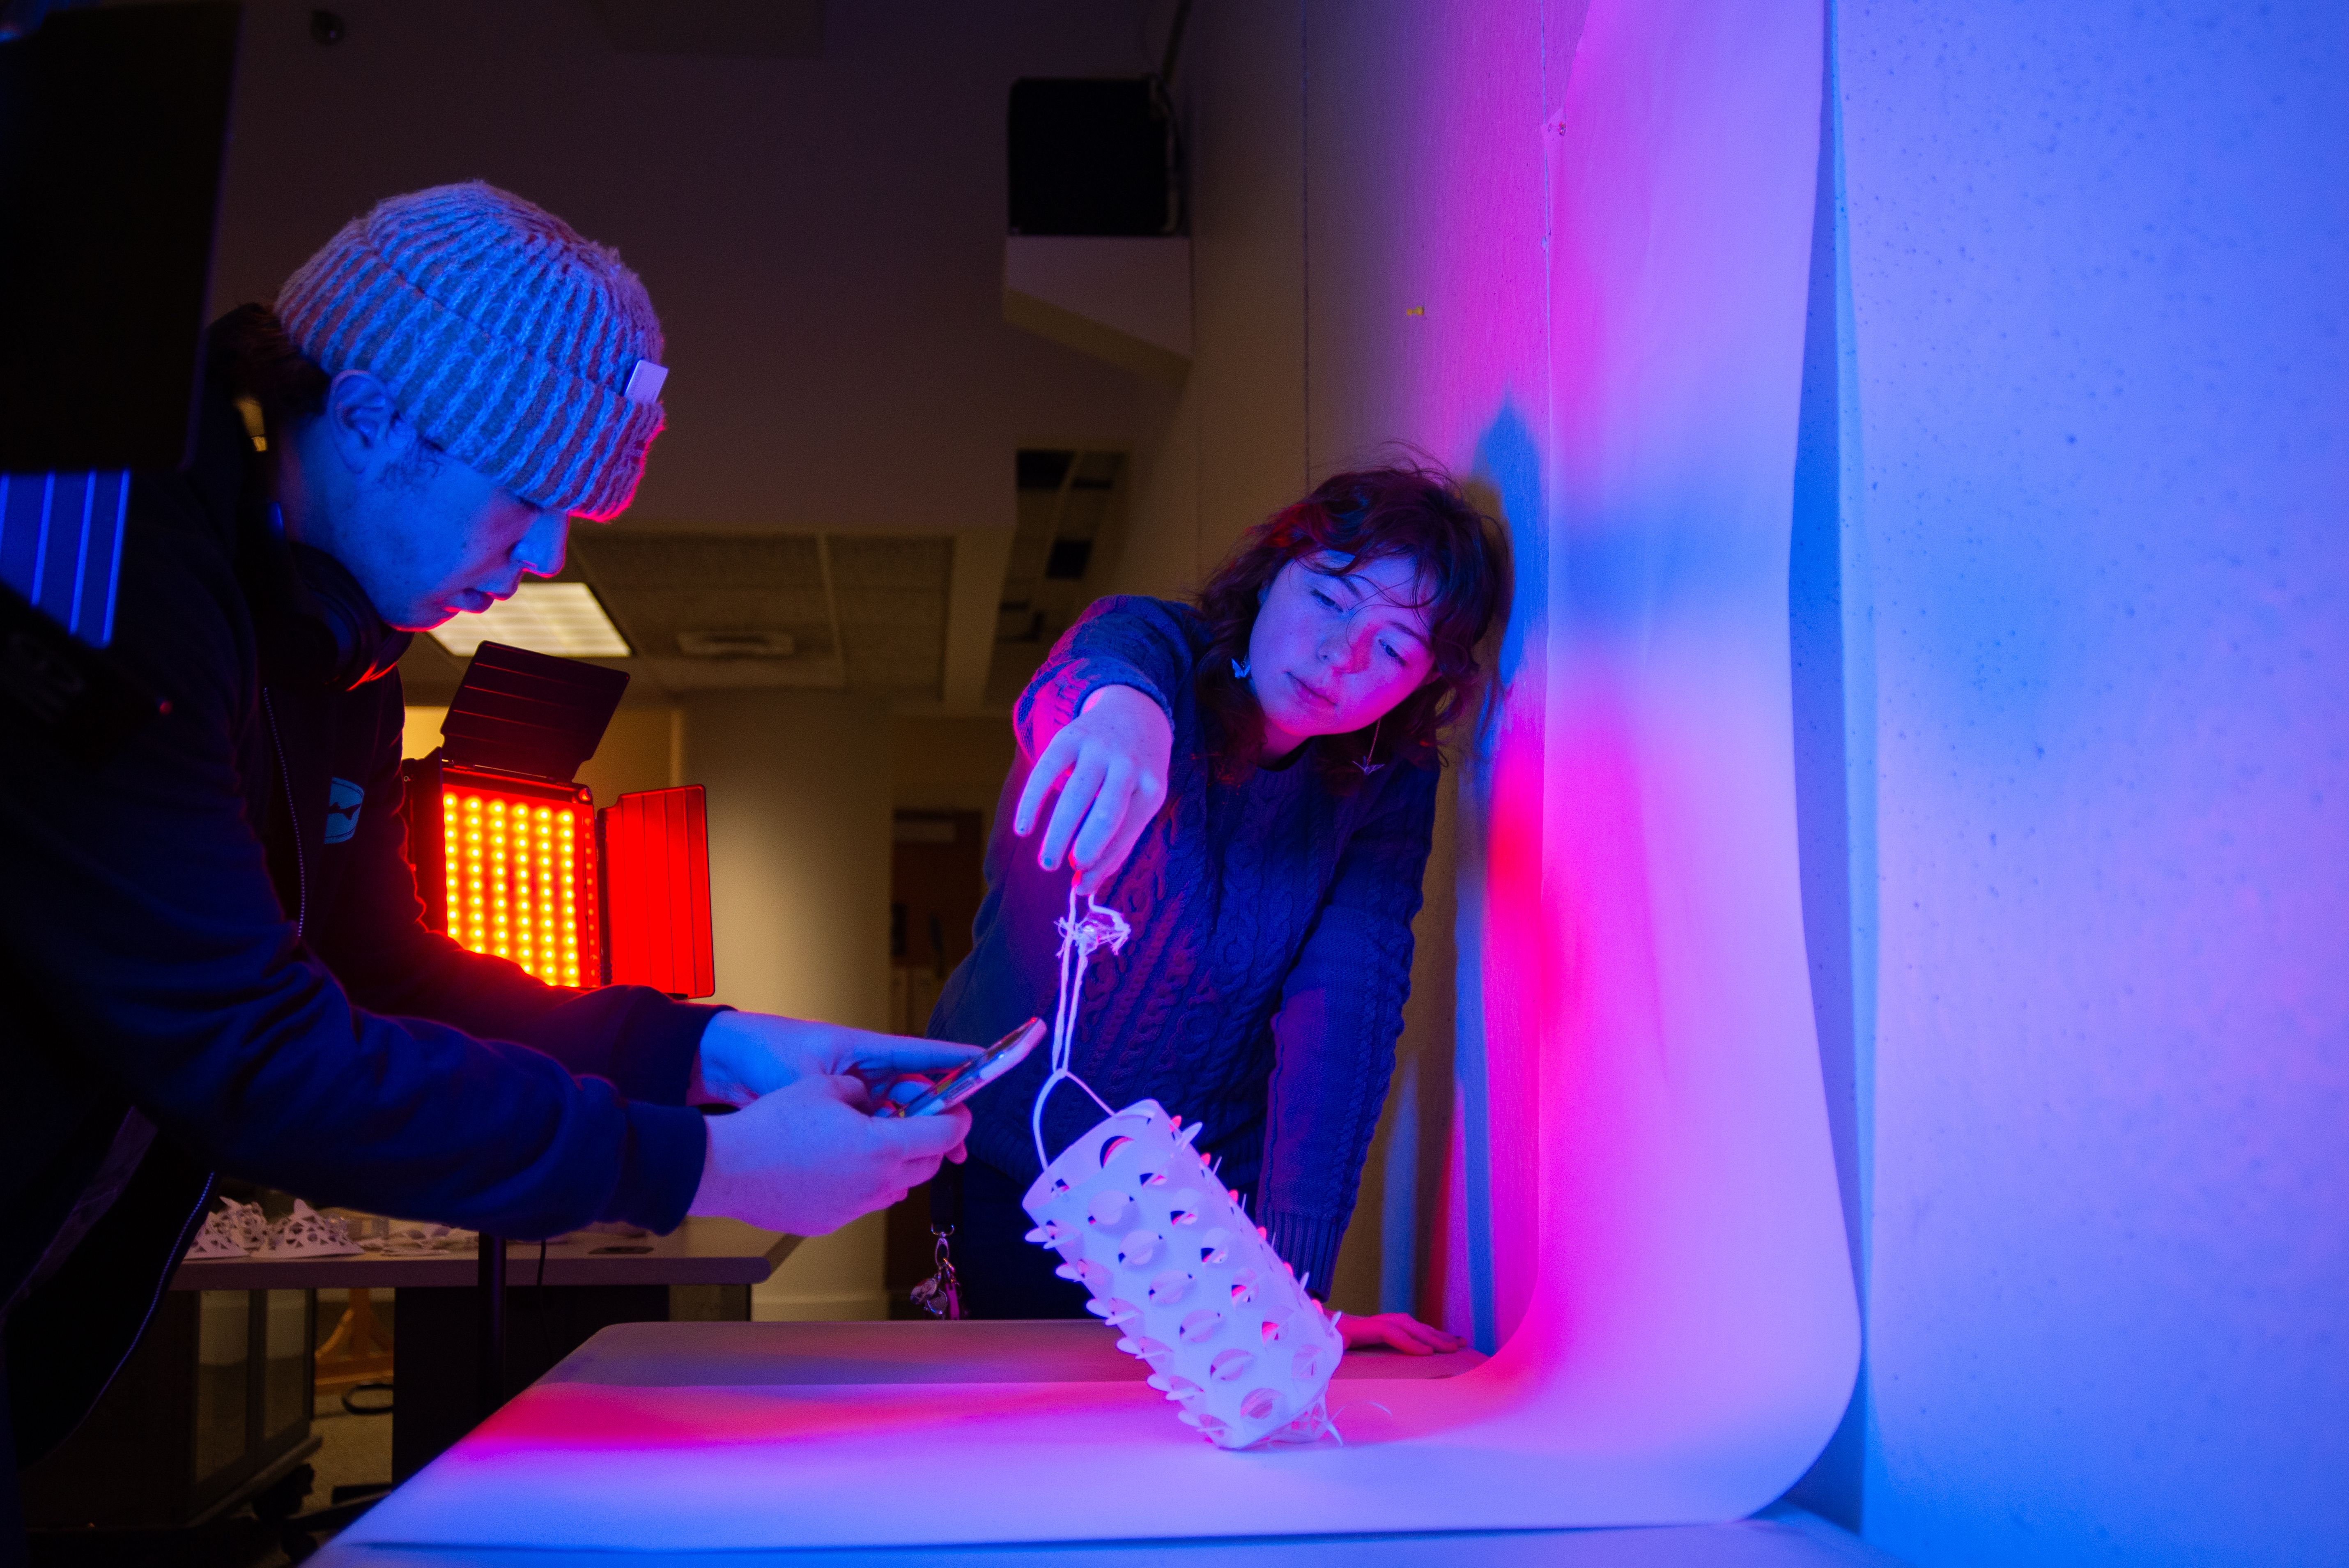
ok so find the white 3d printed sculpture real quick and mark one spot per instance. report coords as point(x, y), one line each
point(241, 1231)
point(1169, 1256)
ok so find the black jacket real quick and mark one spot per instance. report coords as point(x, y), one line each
point(189, 938)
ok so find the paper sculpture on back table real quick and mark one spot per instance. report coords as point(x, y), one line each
point(241, 1231)
point(1172, 1260)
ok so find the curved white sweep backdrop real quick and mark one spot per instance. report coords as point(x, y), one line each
point(1691, 1336)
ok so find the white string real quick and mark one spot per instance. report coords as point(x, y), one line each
point(1080, 936)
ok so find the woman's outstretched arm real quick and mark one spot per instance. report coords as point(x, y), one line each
point(1098, 721)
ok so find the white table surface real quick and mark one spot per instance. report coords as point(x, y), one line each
point(740, 1356)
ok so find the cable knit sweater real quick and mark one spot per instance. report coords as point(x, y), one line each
point(1263, 989)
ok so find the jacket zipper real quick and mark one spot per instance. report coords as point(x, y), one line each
point(286, 781)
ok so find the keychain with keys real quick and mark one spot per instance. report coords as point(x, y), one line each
point(940, 1295)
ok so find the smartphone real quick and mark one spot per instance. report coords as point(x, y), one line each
point(974, 1074)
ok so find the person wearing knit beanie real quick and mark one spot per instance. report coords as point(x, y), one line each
point(518, 347)
point(488, 375)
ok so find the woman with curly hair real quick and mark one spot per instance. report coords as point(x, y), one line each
point(1251, 781)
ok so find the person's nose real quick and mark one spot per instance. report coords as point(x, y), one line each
point(541, 551)
point(1345, 648)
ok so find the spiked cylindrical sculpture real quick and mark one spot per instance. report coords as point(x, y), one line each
point(1194, 1289)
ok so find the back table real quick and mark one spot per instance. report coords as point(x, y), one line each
point(590, 1280)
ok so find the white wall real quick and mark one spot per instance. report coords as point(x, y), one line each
point(798, 895)
point(950, 763)
point(2096, 259)
point(799, 848)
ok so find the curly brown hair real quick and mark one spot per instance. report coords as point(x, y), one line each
point(1364, 516)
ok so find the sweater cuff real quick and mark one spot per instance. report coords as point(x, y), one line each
point(1307, 1243)
point(654, 1045)
point(1098, 671)
point(661, 1170)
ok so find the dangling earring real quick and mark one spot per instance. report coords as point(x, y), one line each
point(1367, 766)
point(1239, 670)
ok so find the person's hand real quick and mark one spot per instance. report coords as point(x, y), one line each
point(1108, 763)
point(1396, 1331)
point(811, 1157)
point(746, 1055)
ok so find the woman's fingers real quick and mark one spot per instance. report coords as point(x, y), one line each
point(1051, 767)
point(1106, 816)
point(1425, 1338)
point(1076, 800)
point(1398, 1331)
point(1147, 793)
point(1109, 770)
point(1399, 1337)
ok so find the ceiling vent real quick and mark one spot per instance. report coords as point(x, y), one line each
point(736, 644)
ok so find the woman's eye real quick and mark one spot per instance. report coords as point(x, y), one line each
point(1392, 651)
point(1325, 599)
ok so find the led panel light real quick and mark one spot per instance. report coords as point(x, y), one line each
point(520, 865)
point(563, 618)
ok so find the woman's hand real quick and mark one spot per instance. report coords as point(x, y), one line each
point(1396, 1331)
point(1108, 763)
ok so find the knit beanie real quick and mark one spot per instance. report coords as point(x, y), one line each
point(522, 350)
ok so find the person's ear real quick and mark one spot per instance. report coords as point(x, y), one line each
point(367, 428)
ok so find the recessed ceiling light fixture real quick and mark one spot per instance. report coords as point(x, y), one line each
point(562, 618)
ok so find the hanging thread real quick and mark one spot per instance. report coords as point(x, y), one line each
point(1080, 936)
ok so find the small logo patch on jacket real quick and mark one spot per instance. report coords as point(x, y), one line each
point(344, 799)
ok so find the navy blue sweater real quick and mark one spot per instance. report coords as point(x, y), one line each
point(187, 931)
point(1262, 992)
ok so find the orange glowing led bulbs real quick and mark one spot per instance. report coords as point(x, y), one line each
point(514, 887)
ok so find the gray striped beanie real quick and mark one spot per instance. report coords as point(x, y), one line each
point(522, 350)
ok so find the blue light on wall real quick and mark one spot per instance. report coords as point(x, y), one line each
point(61, 545)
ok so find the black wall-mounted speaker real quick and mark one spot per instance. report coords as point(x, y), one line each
point(1094, 156)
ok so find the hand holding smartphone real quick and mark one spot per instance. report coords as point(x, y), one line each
point(972, 1075)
